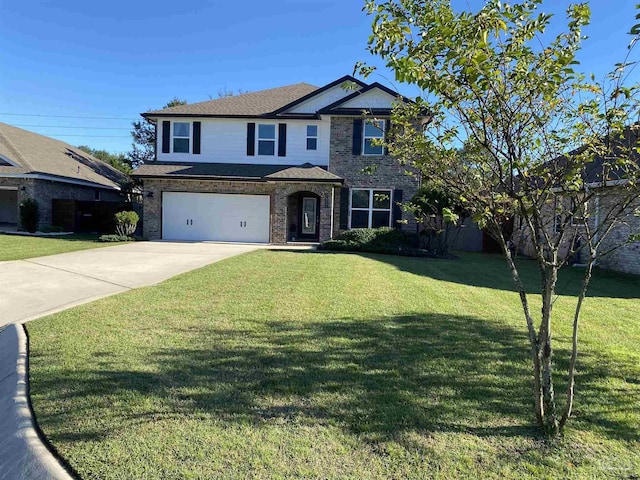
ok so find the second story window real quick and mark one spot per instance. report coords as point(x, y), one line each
point(312, 137)
point(181, 137)
point(373, 135)
point(266, 139)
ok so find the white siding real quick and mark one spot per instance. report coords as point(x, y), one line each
point(321, 100)
point(374, 98)
point(224, 140)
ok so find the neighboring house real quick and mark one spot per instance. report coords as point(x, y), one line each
point(70, 186)
point(279, 165)
point(624, 258)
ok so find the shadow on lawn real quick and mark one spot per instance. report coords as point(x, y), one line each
point(375, 378)
point(491, 271)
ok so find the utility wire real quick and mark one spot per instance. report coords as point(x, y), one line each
point(66, 116)
point(67, 126)
point(95, 136)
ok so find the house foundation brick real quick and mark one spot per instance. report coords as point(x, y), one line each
point(369, 171)
point(278, 192)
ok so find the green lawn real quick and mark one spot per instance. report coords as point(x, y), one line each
point(18, 247)
point(283, 364)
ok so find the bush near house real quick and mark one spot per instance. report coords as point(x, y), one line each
point(29, 215)
point(376, 240)
point(116, 238)
point(126, 223)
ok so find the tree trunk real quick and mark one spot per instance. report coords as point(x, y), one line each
point(545, 350)
point(533, 339)
point(574, 348)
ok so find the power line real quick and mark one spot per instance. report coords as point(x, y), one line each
point(67, 126)
point(95, 136)
point(66, 116)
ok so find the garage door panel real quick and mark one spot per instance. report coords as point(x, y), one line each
point(216, 217)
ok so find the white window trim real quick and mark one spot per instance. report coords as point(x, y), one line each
point(365, 137)
point(173, 136)
point(578, 221)
point(312, 136)
point(370, 209)
point(275, 139)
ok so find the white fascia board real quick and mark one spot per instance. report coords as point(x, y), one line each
point(610, 183)
point(9, 161)
point(53, 178)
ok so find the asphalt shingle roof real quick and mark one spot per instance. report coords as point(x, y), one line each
point(306, 172)
point(34, 153)
point(247, 104)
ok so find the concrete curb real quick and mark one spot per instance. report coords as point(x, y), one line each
point(23, 455)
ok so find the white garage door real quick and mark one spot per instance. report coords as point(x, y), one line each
point(216, 217)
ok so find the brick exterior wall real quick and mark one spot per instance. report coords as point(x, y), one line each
point(388, 174)
point(44, 191)
point(625, 259)
point(278, 192)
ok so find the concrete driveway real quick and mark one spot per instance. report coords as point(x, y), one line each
point(39, 286)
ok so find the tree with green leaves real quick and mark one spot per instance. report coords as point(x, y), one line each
point(514, 131)
point(440, 217)
point(119, 161)
point(144, 138)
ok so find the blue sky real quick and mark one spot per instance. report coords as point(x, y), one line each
point(116, 59)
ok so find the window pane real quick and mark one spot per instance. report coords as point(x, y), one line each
point(312, 143)
point(359, 219)
point(381, 199)
point(312, 130)
point(370, 149)
point(380, 219)
point(360, 199)
point(266, 147)
point(180, 129)
point(181, 145)
point(373, 129)
point(267, 131)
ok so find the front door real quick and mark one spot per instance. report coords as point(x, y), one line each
point(309, 218)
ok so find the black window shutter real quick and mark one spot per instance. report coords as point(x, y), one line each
point(387, 129)
point(397, 209)
point(344, 208)
point(166, 136)
point(197, 126)
point(282, 139)
point(357, 136)
point(251, 139)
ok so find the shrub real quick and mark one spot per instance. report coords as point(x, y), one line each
point(375, 240)
point(29, 214)
point(126, 223)
point(116, 238)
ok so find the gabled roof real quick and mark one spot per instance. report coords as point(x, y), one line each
point(30, 153)
point(339, 82)
point(251, 104)
point(237, 171)
point(278, 102)
point(337, 108)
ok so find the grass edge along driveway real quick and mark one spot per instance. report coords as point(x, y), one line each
point(279, 364)
point(21, 247)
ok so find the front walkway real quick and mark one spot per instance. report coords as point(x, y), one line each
point(39, 286)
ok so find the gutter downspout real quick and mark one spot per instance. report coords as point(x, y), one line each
point(333, 194)
point(596, 222)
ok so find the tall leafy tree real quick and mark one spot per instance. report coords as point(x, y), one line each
point(144, 137)
point(515, 131)
point(119, 161)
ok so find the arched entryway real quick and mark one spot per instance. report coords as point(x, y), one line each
point(303, 217)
